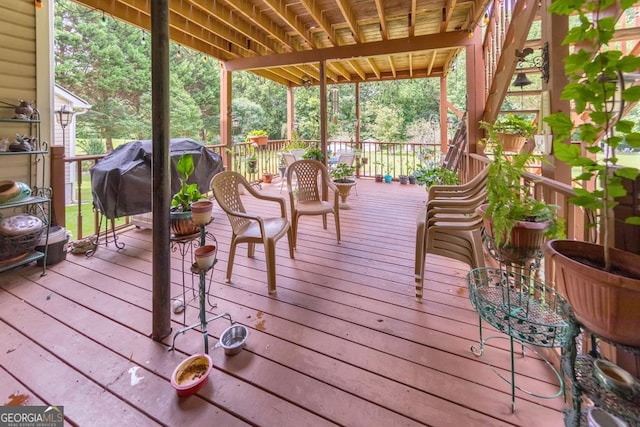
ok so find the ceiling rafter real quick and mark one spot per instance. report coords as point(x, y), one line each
point(447, 13)
point(232, 18)
point(318, 16)
point(246, 9)
point(410, 63)
point(331, 75)
point(383, 22)
point(432, 62)
point(356, 68)
point(340, 69)
point(373, 66)
point(345, 9)
point(287, 16)
point(392, 65)
point(412, 18)
point(450, 58)
point(202, 23)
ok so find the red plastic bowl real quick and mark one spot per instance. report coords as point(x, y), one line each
point(191, 374)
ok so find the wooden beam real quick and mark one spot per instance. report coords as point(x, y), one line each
point(356, 68)
point(523, 15)
point(383, 22)
point(433, 60)
point(446, 15)
point(340, 69)
point(386, 47)
point(249, 12)
point(412, 18)
point(345, 9)
point(373, 66)
point(392, 65)
point(321, 19)
point(287, 16)
point(232, 18)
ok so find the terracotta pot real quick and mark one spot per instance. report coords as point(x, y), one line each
point(201, 212)
point(267, 178)
point(182, 225)
point(205, 256)
point(260, 140)
point(512, 143)
point(608, 304)
point(525, 241)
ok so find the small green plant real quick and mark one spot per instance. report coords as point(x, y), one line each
point(516, 125)
point(188, 193)
point(296, 143)
point(508, 199)
point(343, 173)
point(256, 132)
point(314, 154)
point(438, 175)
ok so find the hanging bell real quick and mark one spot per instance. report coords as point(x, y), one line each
point(521, 80)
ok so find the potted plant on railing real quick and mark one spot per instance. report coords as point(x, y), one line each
point(313, 154)
point(258, 136)
point(180, 215)
point(342, 177)
point(601, 283)
point(516, 223)
point(513, 131)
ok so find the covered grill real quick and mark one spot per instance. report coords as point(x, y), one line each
point(121, 181)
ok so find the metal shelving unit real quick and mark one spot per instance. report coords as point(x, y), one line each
point(39, 203)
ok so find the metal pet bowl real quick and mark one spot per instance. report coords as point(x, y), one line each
point(614, 378)
point(233, 339)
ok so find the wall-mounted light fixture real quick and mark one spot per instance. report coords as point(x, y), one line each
point(64, 116)
point(306, 80)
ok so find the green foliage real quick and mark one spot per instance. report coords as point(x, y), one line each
point(434, 175)
point(296, 143)
point(514, 124)
point(595, 74)
point(343, 173)
point(508, 199)
point(314, 154)
point(188, 193)
point(91, 147)
point(256, 132)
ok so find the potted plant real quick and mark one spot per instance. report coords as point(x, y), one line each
point(314, 154)
point(516, 223)
point(180, 215)
point(601, 283)
point(258, 136)
point(513, 131)
point(251, 160)
point(342, 177)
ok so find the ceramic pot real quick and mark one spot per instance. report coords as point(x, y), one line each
point(260, 140)
point(201, 212)
point(388, 178)
point(267, 178)
point(512, 143)
point(8, 190)
point(205, 256)
point(191, 374)
point(378, 178)
point(344, 188)
point(182, 225)
point(605, 302)
point(404, 179)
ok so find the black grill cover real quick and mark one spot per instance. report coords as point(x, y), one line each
point(121, 181)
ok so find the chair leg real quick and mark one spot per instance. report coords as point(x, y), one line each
point(294, 227)
point(324, 221)
point(336, 218)
point(420, 260)
point(290, 239)
point(232, 255)
point(270, 258)
point(251, 250)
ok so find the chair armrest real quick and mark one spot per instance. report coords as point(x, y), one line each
point(257, 195)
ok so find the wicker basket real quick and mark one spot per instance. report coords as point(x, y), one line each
point(13, 248)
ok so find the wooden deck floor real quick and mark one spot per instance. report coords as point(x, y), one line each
point(343, 342)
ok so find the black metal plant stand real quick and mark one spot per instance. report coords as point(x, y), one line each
point(185, 245)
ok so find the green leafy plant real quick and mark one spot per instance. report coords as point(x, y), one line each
point(438, 175)
point(314, 154)
point(256, 132)
point(296, 143)
point(514, 124)
point(343, 173)
point(595, 75)
point(188, 193)
point(509, 200)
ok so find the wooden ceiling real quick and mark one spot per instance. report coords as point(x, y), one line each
point(285, 40)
